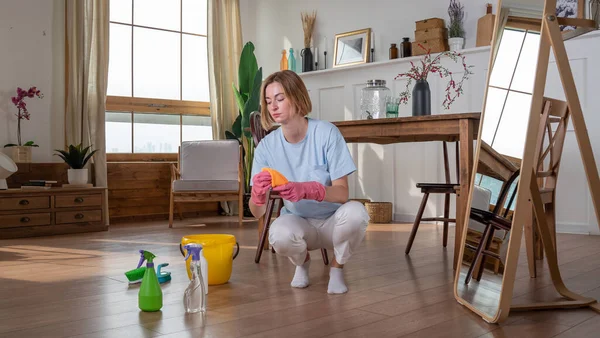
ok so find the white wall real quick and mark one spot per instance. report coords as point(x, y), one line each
point(389, 173)
point(575, 208)
point(275, 24)
point(32, 54)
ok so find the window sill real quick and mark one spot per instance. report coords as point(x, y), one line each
point(142, 157)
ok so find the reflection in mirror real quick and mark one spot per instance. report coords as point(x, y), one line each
point(514, 54)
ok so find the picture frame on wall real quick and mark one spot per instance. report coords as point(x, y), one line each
point(352, 48)
point(570, 9)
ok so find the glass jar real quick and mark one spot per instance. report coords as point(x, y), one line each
point(373, 99)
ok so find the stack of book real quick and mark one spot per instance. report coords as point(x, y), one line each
point(37, 185)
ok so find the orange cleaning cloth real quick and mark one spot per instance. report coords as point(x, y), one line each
point(277, 178)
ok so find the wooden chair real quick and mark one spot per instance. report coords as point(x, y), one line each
point(551, 137)
point(493, 221)
point(207, 171)
point(495, 166)
point(258, 133)
point(437, 188)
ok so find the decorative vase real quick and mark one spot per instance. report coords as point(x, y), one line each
point(77, 176)
point(421, 96)
point(456, 44)
point(307, 60)
point(21, 154)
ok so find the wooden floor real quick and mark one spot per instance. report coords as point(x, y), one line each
point(67, 286)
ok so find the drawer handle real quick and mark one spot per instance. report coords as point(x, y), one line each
point(25, 219)
point(23, 202)
point(79, 216)
point(79, 200)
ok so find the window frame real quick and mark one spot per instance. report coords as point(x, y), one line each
point(140, 105)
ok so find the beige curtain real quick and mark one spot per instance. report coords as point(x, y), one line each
point(224, 49)
point(87, 77)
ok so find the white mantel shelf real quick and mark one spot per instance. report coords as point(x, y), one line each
point(386, 62)
point(592, 34)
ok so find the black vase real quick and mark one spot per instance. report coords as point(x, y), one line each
point(421, 96)
point(307, 60)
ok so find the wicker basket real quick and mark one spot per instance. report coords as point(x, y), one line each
point(379, 212)
point(361, 200)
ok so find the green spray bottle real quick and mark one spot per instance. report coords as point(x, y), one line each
point(150, 294)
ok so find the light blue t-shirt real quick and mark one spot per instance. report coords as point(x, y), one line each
point(321, 156)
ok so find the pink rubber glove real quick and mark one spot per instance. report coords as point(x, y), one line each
point(261, 183)
point(296, 191)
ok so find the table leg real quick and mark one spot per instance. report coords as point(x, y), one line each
point(466, 168)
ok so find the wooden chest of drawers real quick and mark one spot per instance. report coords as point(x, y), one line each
point(28, 213)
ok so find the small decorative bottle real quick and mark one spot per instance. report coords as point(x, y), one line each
point(406, 48)
point(283, 64)
point(393, 51)
point(292, 61)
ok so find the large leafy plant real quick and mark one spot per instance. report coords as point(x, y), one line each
point(247, 96)
point(77, 156)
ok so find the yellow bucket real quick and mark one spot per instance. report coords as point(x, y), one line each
point(218, 251)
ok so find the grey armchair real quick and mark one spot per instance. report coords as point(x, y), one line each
point(207, 171)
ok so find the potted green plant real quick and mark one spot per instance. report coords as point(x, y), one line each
point(247, 96)
point(77, 157)
point(21, 152)
point(456, 31)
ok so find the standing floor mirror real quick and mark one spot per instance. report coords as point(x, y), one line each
point(504, 183)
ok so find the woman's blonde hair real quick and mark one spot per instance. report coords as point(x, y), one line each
point(293, 89)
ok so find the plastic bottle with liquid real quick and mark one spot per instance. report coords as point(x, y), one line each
point(194, 296)
point(150, 294)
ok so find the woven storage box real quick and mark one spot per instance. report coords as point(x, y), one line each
point(430, 23)
point(379, 212)
point(436, 46)
point(430, 33)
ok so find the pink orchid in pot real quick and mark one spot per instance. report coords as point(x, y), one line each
point(21, 152)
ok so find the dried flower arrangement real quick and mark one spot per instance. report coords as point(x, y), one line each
point(429, 65)
point(308, 25)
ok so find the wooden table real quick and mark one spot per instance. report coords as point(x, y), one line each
point(462, 128)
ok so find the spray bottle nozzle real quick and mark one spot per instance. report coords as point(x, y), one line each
point(145, 255)
point(193, 249)
point(142, 258)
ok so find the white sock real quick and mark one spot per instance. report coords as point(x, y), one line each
point(301, 276)
point(336, 281)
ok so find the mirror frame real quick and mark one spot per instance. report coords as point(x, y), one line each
point(523, 206)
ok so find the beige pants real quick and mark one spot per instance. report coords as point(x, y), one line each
point(292, 236)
